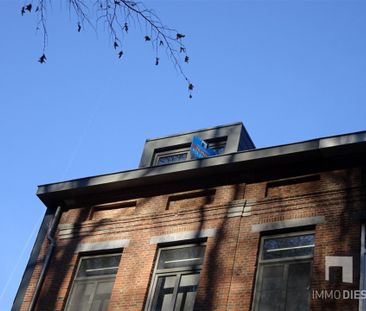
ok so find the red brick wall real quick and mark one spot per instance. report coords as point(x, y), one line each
point(228, 274)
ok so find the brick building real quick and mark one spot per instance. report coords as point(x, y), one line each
point(247, 229)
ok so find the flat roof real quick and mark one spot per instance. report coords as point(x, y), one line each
point(324, 147)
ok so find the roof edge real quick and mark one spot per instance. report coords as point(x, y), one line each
point(196, 131)
point(212, 162)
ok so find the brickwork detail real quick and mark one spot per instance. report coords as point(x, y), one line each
point(228, 275)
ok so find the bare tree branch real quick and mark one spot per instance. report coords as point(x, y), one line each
point(116, 16)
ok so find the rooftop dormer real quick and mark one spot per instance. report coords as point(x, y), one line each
point(177, 148)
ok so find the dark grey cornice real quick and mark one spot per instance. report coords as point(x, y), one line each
point(306, 151)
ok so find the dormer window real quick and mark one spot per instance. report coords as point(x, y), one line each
point(171, 157)
point(218, 145)
point(177, 148)
point(182, 153)
point(201, 149)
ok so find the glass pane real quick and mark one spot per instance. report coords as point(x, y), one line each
point(164, 293)
point(187, 292)
point(219, 147)
point(102, 296)
point(270, 293)
point(181, 257)
point(81, 296)
point(298, 287)
point(172, 158)
point(95, 266)
point(219, 150)
point(301, 245)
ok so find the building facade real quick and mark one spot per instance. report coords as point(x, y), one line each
point(278, 228)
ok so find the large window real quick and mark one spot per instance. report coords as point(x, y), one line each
point(176, 277)
point(93, 283)
point(284, 272)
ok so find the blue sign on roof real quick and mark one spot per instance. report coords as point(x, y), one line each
point(200, 149)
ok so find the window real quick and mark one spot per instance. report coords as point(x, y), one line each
point(218, 145)
point(176, 277)
point(180, 153)
point(284, 271)
point(93, 283)
point(172, 158)
point(168, 155)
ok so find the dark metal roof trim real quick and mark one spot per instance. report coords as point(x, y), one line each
point(142, 176)
point(196, 131)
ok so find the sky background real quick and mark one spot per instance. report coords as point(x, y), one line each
point(289, 70)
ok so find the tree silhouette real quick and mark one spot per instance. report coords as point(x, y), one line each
point(117, 16)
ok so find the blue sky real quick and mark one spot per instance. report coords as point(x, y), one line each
point(289, 70)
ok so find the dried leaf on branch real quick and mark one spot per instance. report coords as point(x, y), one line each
point(116, 16)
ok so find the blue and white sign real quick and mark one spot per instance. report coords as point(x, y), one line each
point(200, 149)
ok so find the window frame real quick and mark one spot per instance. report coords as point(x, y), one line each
point(178, 272)
point(277, 261)
point(170, 152)
point(91, 279)
point(215, 143)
